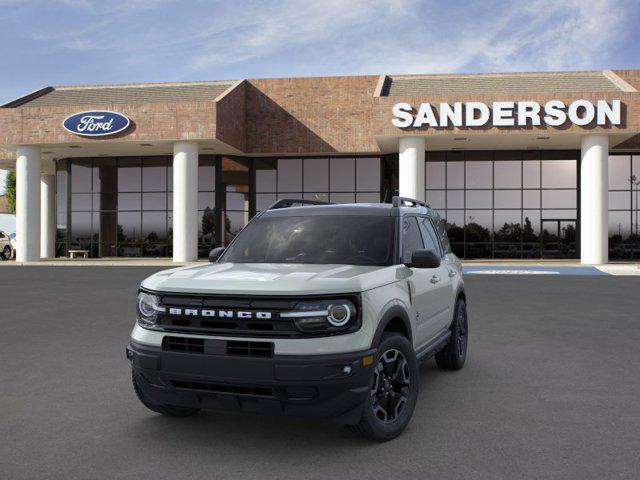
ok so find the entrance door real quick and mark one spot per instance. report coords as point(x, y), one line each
point(558, 238)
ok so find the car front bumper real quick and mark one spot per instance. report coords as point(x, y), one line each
point(316, 386)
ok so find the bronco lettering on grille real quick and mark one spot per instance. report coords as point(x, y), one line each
point(242, 314)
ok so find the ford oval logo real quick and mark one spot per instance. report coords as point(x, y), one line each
point(96, 123)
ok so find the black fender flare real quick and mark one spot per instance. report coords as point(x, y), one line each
point(395, 311)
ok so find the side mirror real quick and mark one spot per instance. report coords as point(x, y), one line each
point(215, 254)
point(424, 259)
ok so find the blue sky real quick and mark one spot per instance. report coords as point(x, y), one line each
point(69, 42)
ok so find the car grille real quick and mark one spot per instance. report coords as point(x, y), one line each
point(254, 391)
point(255, 326)
point(218, 347)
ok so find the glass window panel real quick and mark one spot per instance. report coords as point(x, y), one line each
point(61, 193)
point(316, 174)
point(206, 225)
point(367, 174)
point(81, 202)
point(80, 230)
point(531, 173)
point(154, 227)
point(455, 198)
point(264, 200)
point(619, 172)
point(507, 174)
point(367, 197)
point(237, 201)
point(154, 201)
point(620, 200)
point(437, 198)
point(320, 196)
point(131, 227)
point(129, 201)
point(154, 174)
point(266, 174)
point(206, 178)
point(205, 199)
point(478, 226)
point(289, 175)
point(567, 214)
point(559, 199)
point(531, 198)
point(531, 225)
point(81, 175)
point(455, 225)
point(455, 174)
point(479, 198)
point(559, 174)
point(342, 175)
point(478, 174)
point(342, 197)
point(620, 224)
point(105, 176)
point(636, 166)
point(170, 177)
point(237, 221)
point(507, 225)
point(507, 199)
point(129, 175)
point(436, 174)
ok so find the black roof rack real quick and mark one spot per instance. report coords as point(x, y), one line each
point(289, 202)
point(400, 202)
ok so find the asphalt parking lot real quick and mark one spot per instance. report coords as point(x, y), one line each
point(551, 390)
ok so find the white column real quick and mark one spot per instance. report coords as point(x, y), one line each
point(411, 165)
point(48, 212)
point(28, 204)
point(594, 199)
point(185, 201)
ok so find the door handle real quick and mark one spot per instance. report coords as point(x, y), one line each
point(435, 279)
point(452, 273)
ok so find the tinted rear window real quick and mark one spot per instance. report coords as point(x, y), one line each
point(323, 239)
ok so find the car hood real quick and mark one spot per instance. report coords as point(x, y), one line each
point(271, 278)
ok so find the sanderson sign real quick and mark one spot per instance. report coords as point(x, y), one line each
point(508, 114)
point(96, 123)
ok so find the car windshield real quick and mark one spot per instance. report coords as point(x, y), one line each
point(324, 239)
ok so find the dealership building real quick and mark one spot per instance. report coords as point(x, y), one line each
point(522, 165)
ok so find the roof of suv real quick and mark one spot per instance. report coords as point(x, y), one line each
point(369, 209)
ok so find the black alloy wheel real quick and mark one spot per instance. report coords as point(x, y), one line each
point(454, 354)
point(391, 383)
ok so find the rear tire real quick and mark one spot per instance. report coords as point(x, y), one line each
point(393, 390)
point(169, 410)
point(454, 354)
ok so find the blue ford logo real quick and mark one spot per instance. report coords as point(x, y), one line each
point(96, 123)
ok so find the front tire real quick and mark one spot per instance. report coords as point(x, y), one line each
point(454, 354)
point(169, 410)
point(6, 253)
point(393, 390)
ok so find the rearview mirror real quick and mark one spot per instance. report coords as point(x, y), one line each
point(424, 258)
point(215, 254)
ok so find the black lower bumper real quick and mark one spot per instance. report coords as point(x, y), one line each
point(319, 386)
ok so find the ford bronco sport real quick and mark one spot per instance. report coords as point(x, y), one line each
point(317, 310)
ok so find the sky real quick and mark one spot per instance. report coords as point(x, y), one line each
point(71, 42)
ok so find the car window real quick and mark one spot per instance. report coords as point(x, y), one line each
point(441, 228)
point(429, 236)
point(411, 238)
point(2, 235)
point(318, 239)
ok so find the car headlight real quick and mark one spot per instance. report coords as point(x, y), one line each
point(148, 307)
point(323, 316)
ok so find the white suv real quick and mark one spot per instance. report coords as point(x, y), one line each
point(318, 310)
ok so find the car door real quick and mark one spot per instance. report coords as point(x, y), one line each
point(425, 284)
point(445, 273)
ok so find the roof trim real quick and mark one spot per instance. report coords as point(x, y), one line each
point(620, 83)
point(382, 80)
point(27, 98)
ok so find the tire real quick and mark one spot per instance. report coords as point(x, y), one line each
point(454, 354)
point(169, 410)
point(7, 253)
point(393, 390)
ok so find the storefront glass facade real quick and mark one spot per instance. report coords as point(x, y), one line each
point(502, 204)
